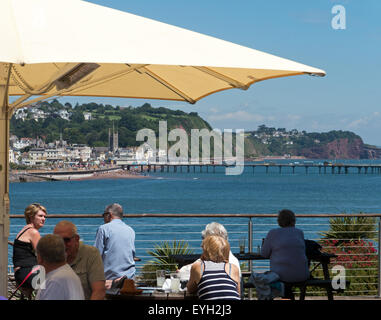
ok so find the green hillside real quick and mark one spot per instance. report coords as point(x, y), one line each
point(95, 132)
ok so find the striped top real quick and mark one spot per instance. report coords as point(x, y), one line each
point(215, 283)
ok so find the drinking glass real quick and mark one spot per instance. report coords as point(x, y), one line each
point(242, 245)
point(175, 282)
point(184, 278)
point(160, 278)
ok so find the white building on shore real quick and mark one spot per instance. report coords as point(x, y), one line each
point(61, 154)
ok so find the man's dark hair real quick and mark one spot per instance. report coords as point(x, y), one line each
point(286, 218)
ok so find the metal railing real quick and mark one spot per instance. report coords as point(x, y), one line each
point(360, 257)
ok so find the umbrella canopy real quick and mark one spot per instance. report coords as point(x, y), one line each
point(74, 48)
point(98, 51)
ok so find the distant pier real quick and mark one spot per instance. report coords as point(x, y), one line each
point(268, 167)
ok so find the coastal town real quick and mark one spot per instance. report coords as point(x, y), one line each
point(35, 153)
point(29, 152)
point(35, 160)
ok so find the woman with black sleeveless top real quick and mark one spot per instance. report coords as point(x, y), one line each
point(24, 246)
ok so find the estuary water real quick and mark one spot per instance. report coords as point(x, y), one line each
point(202, 192)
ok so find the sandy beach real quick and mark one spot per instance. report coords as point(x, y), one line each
point(16, 176)
point(120, 174)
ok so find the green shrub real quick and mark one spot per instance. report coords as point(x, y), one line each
point(162, 259)
point(344, 229)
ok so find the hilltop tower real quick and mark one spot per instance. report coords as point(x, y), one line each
point(109, 139)
point(113, 139)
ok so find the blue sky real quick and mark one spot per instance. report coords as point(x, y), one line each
point(348, 98)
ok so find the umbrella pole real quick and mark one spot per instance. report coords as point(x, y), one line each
point(4, 180)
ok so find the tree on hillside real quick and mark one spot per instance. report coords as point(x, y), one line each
point(77, 117)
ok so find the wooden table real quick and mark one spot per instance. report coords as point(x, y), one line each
point(323, 259)
point(155, 295)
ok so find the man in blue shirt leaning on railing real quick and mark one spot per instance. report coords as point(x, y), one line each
point(115, 241)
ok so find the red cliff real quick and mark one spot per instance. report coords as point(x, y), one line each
point(341, 149)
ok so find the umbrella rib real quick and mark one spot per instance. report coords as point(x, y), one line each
point(230, 81)
point(13, 106)
point(7, 76)
point(169, 86)
point(19, 100)
point(23, 85)
point(107, 78)
point(75, 87)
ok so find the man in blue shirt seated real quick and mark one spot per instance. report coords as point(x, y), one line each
point(115, 241)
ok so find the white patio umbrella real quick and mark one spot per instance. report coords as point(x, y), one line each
point(74, 48)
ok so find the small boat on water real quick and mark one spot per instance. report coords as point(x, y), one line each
point(226, 164)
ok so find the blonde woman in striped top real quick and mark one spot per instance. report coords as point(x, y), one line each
point(214, 278)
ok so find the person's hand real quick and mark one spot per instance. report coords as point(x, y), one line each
point(116, 283)
point(108, 284)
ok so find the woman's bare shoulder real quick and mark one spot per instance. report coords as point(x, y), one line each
point(234, 272)
point(196, 265)
point(33, 232)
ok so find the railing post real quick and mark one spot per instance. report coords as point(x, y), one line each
point(379, 258)
point(250, 248)
point(250, 240)
point(250, 235)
